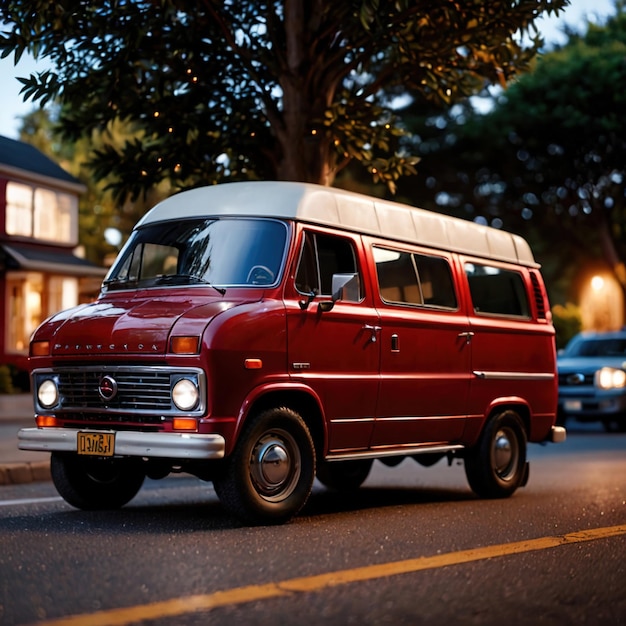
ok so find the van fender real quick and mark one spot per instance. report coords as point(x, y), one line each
point(295, 396)
point(474, 426)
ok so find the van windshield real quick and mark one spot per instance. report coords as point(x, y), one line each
point(217, 252)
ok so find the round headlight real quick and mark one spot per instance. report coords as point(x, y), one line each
point(48, 394)
point(610, 378)
point(185, 394)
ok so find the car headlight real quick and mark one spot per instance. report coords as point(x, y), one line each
point(610, 378)
point(185, 394)
point(48, 393)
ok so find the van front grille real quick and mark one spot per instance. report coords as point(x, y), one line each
point(136, 391)
point(141, 392)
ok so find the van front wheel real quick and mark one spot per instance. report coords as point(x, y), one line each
point(496, 466)
point(269, 476)
point(93, 484)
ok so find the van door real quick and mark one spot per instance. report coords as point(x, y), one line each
point(425, 349)
point(513, 355)
point(334, 351)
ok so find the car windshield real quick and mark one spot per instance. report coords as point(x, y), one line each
point(599, 347)
point(217, 252)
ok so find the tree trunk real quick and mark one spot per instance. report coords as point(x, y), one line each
point(305, 154)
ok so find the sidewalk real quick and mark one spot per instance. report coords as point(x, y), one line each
point(19, 466)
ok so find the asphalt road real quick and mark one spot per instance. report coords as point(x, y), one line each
point(19, 466)
point(412, 546)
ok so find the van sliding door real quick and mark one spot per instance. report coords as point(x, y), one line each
point(425, 349)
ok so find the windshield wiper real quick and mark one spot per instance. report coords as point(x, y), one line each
point(185, 279)
point(118, 281)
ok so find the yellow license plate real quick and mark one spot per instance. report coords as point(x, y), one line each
point(95, 444)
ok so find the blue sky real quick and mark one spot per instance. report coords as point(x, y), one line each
point(12, 105)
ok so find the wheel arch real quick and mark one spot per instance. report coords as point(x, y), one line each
point(516, 404)
point(300, 398)
point(512, 403)
point(520, 407)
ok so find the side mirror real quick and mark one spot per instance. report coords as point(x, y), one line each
point(346, 287)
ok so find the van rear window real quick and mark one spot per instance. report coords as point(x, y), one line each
point(497, 291)
point(410, 278)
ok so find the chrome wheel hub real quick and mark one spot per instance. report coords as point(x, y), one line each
point(275, 465)
point(505, 454)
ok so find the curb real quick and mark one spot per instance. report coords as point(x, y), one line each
point(20, 473)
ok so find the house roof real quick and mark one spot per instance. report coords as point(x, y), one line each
point(31, 257)
point(17, 157)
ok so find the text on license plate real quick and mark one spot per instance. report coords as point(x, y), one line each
point(95, 444)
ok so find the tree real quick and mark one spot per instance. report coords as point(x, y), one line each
point(281, 89)
point(548, 160)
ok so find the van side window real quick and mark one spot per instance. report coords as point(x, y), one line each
point(496, 290)
point(409, 278)
point(322, 256)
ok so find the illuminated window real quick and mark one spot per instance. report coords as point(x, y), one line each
point(62, 293)
point(41, 213)
point(53, 216)
point(31, 297)
point(19, 214)
point(25, 309)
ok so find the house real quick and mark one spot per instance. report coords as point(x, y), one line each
point(40, 270)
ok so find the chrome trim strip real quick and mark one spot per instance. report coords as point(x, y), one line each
point(414, 418)
point(408, 451)
point(514, 375)
point(192, 446)
point(352, 420)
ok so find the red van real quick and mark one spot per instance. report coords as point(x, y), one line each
point(260, 334)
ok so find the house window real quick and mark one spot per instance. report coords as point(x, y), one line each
point(25, 309)
point(31, 298)
point(41, 213)
point(19, 220)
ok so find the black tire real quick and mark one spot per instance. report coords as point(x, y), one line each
point(93, 484)
point(344, 475)
point(615, 425)
point(496, 466)
point(269, 476)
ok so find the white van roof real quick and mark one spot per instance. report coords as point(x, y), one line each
point(328, 206)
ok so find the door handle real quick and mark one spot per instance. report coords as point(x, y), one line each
point(467, 335)
point(373, 330)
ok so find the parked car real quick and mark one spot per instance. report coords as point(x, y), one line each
point(592, 379)
point(260, 334)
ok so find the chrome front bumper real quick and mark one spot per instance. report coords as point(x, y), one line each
point(184, 446)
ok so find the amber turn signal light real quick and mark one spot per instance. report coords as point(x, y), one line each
point(253, 364)
point(46, 421)
point(184, 423)
point(184, 345)
point(40, 348)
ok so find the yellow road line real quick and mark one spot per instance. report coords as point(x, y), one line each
point(309, 584)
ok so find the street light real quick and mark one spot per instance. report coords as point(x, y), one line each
point(601, 303)
point(597, 283)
